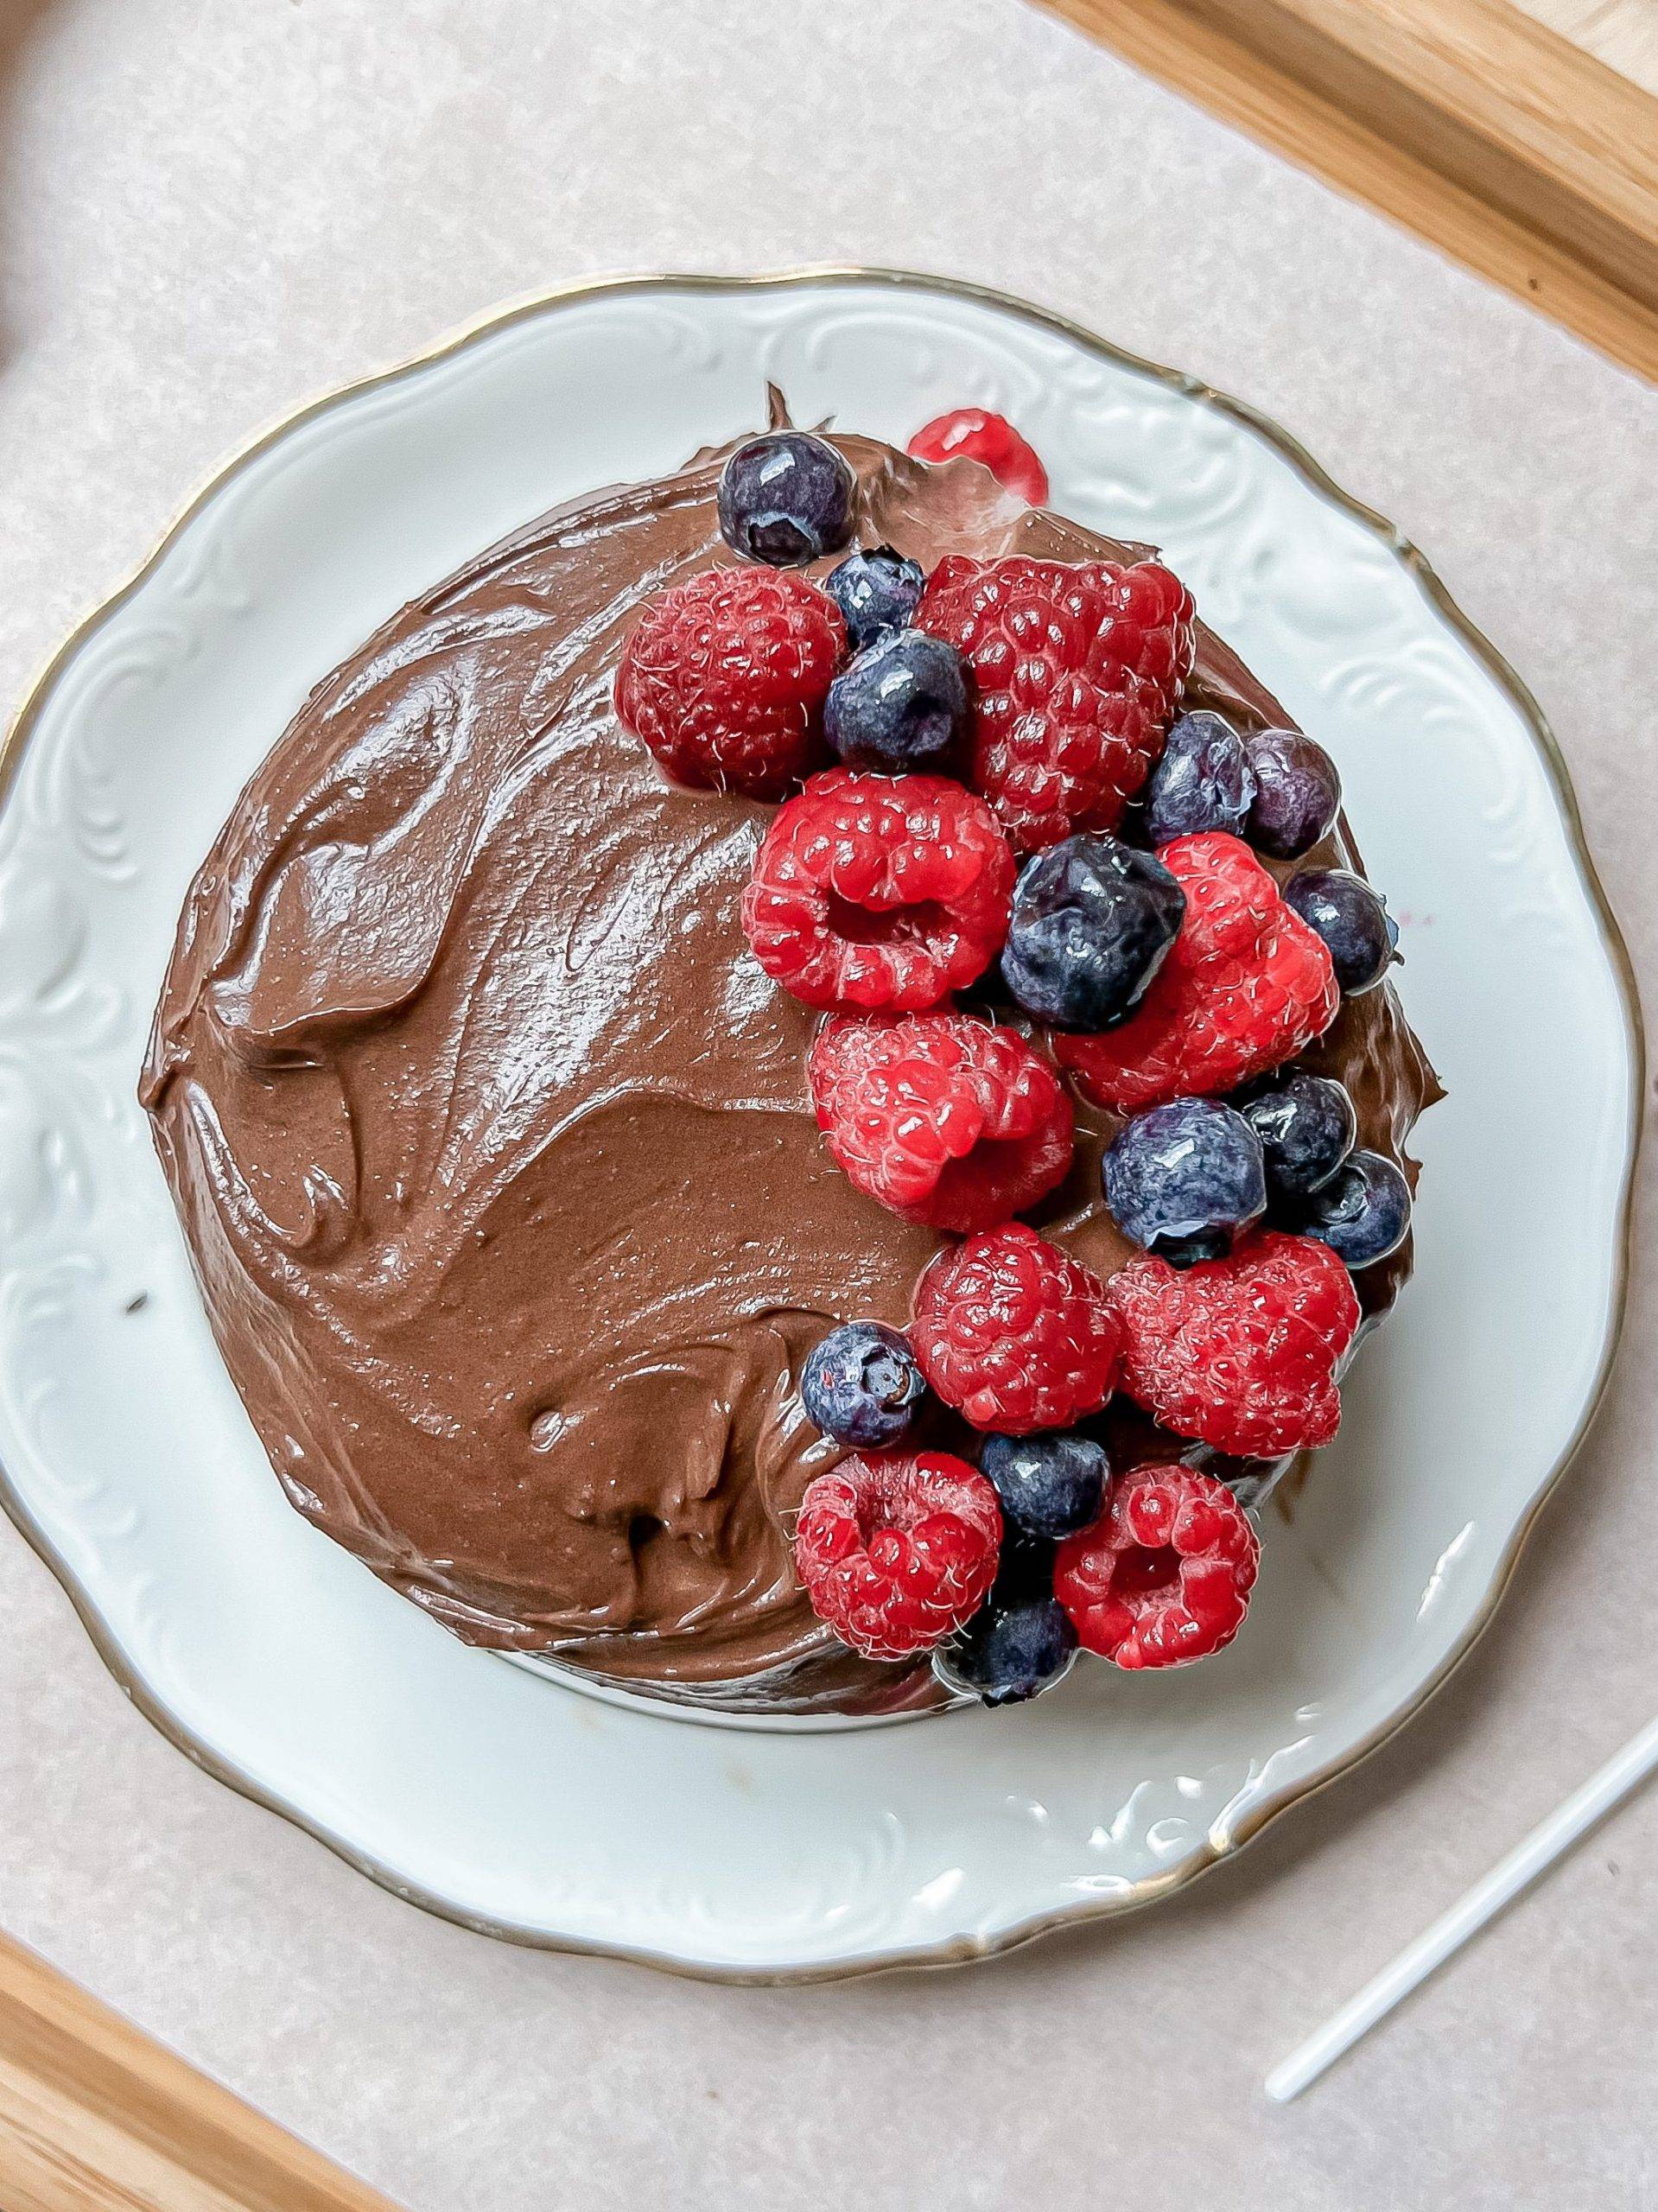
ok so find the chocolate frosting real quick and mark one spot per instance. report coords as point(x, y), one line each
point(491, 1143)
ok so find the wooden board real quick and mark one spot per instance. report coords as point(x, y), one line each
point(94, 2117)
point(1504, 144)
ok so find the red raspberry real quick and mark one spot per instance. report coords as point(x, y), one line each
point(898, 1550)
point(1078, 668)
point(878, 891)
point(973, 434)
point(1241, 1353)
point(725, 677)
point(943, 1119)
point(1163, 1576)
point(1245, 986)
point(1014, 1333)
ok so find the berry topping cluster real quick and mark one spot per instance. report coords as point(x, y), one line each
point(992, 778)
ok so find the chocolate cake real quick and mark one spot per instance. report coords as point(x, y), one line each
point(494, 1146)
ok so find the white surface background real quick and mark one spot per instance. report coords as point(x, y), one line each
point(208, 209)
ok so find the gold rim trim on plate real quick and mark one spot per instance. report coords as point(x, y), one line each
point(1222, 1840)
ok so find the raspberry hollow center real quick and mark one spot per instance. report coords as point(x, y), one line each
point(1147, 1571)
point(925, 923)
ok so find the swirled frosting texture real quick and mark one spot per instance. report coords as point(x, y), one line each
point(492, 1144)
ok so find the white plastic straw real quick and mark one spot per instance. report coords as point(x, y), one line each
point(1545, 1843)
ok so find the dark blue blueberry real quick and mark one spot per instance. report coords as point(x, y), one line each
point(1352, 919)
point(1092, 920)
point(1307, 1126)
point(1298, 793)
point(1362, 1213)
point(903, 704)
point(1048, 1485)
point(862, 1385)
point(785, 498)
point(1202, 781)
point(1019, 1642)
point(876, 591)
point(1182, 1180)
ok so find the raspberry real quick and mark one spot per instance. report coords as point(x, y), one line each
point(971, 433)
point(1241, 1352)
point(898, 1550)
point(1245, 986)
point(1014, 1333)
point(940, 1118)
point(725, 677)
point(1078, 667)
point(1164, 1576)
point(878, 891)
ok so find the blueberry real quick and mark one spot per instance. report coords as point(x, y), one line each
point(861, 1384)
point(1183, 1179)
point(1307, 1126)
point(1203, 781)
point(1362, 1213)
point(902, 705)
point(1092, 920)
point(1298, 793)
point(785, 498)
point(876, 591)
point(1019, 1642)
point(1048, 1485)
point(1352, 919)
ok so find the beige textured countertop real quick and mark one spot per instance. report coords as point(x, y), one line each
point(210, 208)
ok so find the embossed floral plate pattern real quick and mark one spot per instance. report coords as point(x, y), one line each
point(517, 1805)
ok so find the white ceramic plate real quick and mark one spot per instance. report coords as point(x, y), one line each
point(521, 1807)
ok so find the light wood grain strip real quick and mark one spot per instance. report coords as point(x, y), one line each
point(1624, 33)
point(1497, 103)
point(1208, 63)
point(95, 2117)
